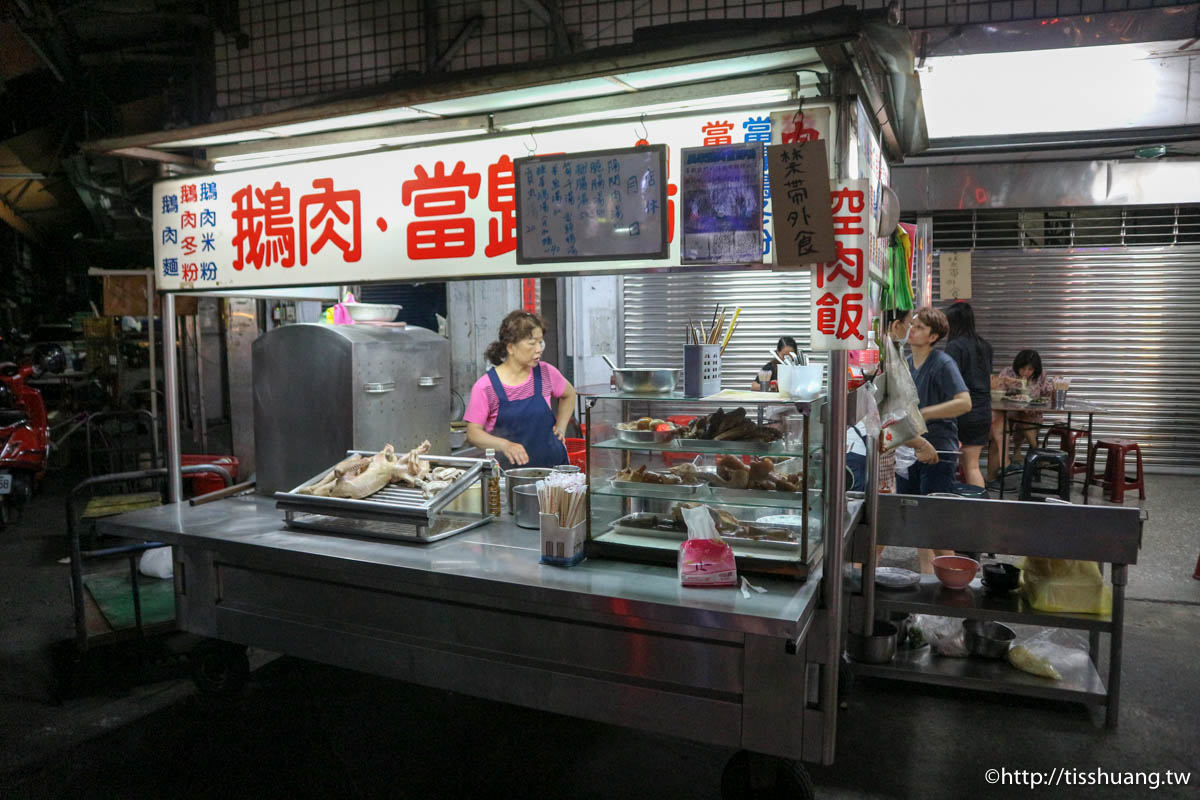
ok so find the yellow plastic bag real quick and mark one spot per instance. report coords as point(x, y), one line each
point(1065, 586)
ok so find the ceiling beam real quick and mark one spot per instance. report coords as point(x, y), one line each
point(14, 220)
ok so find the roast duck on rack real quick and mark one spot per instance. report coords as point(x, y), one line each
point(358, 477)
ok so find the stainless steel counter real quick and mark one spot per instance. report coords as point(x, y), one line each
point(476, 613)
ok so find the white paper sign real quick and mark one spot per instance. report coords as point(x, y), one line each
point(424, 213)
point(955, 275)
point(839, 308)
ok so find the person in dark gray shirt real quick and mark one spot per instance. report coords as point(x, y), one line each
point(973, 356)
point(943, 397)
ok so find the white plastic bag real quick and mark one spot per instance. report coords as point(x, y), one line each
point(905, 458)
point(900, 408)
point(1039, 655)
point(157, 563)
point(944, 634)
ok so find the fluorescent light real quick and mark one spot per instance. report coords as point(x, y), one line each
point(1109, 87)
point(252, 160)
point(762, 98)
point(221, 138)
point(519, 98)
point(377, 136)
point(758, 64)
point(350, 121)
point(759, 90)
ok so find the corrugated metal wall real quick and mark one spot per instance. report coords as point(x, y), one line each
point(658, 308)
point(1122, 323)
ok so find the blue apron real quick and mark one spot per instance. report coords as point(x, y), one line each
point(528, 422)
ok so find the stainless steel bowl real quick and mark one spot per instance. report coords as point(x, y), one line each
point(523, 476)
point(526, 511)
point(876, 649)
point(650, 381)
point(986, 638)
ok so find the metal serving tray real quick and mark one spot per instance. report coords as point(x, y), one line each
point(646, 437)
point(666, 533)
point(670, 488)
point(394, 512)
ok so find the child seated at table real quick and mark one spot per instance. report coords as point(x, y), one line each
point(1026, 382)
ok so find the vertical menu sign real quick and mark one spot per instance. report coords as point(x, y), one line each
point(602, 205)
point(839, 319)
point(802, 222)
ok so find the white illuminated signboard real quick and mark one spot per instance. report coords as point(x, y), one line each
point(424, 213)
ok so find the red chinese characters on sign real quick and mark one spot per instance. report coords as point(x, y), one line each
point(265, 226)
point(263, 229)
point(439, 196)
point(338, 217)
point(502, 199)
point(839, 308)
point(717, 132)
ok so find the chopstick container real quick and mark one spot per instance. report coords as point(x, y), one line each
point(701, 369)
point(561, 547)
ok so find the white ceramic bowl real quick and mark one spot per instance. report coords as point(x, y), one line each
point(372, 312)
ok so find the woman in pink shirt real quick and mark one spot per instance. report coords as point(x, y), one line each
point(511, 409)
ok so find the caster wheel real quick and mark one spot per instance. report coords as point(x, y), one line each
point(779, 778)
point(221, 672)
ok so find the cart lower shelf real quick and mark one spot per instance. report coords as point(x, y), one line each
point(1081, 682)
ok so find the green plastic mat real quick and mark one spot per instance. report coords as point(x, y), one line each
point(114, 595)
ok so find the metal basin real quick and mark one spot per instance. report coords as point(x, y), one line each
point(523, 476)
point(986, 638)
point(650, 381)
point(526, 511)
point(876, 649)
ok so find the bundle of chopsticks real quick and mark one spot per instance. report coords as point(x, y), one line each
point(698, 334)
point(564, 494)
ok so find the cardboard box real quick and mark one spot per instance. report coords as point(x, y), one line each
point(125, 296)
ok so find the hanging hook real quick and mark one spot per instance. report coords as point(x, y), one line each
point(528, 149)
point(645, 134)
point(798, 117)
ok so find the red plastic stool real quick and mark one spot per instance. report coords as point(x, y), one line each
point(1068, 442)
point(1114, 478)
point(576, 452)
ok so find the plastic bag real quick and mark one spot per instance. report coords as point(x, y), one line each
point(705, 559)
point(340, 315)
point(944, 634)
point(157, 563)
point(1039, 655)
point(900, 408)
point(1065, 586)
point(905, 458)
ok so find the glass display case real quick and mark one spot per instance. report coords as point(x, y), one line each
point(772, 515)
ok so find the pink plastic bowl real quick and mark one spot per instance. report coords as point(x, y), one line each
point(955, 572)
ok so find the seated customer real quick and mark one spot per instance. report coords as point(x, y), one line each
point(1026, 380)
point(785, 346)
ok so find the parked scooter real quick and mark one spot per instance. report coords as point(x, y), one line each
point(24, 431)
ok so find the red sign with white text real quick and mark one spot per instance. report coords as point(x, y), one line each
point(841, 288)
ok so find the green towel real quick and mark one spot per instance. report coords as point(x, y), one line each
point(114, 595)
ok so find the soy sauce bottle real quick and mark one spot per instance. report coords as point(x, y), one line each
point(493, 484)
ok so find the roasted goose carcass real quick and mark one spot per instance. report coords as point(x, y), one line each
point(409, 469)
point(356, 477)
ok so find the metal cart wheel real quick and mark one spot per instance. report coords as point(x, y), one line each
point(221, 671)
point(751, 776)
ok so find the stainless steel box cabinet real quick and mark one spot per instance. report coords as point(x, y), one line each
point(320, 390)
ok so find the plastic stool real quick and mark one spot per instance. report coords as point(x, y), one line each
point(1068, 442)
point(1052, 459)
point(1113, 477)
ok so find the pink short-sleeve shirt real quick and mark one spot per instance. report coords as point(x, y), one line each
point(484, 406)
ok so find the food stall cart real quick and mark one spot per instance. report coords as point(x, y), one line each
point(606, 640)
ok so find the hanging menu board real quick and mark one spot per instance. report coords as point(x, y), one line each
point(602, 205)
point(722, 204)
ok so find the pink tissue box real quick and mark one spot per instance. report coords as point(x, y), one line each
point(706, 562)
